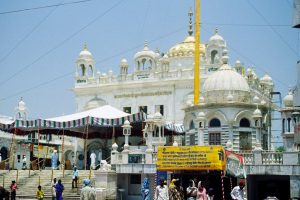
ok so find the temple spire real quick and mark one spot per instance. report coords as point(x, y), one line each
point(190, 22)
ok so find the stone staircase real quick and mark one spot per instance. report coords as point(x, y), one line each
point(27, 184)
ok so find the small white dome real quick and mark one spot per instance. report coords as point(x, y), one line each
point(255, 99)
point(201, 114)
point(115, 146)
point(21, 105)
point(126, 122)
point(145, 52)
point(216, 39)
point(289, 100)
point(266, 79)
point(124, 61)
point(85, 53)
point(157, 115)
point(237, 62)
point(229, 97)
point(256, 113)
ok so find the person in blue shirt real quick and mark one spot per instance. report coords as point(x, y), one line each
point(54, 159)
point(75, 177)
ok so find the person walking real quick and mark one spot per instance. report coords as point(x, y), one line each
point(13, 190)
point(237, 192)
point(87, 192)
point(201, 194)
point(145, 190)
point(191, 191)
point(40, 193)
point(75, 177)
point(161, 191)
point(53, 189)
point(59, 188)
point(175, 190)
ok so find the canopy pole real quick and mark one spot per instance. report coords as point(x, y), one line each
point(222, 181)
point(113, 135)
point(197, 53)
point(12, 150)
point(63, 153)
point(85, 147)
point(38, 148)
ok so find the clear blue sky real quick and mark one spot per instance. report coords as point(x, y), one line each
point(41, 46)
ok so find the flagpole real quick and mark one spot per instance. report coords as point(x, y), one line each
point(197, 52)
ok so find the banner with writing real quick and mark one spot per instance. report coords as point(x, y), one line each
point(171, 158)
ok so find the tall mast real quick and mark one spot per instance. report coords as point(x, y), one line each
point(196, 57)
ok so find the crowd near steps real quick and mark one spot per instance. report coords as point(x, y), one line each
point(29, 180)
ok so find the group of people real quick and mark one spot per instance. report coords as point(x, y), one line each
point(176, 192)
point(194, 191)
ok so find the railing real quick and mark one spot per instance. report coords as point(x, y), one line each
point(272, 158)
point(248, 158)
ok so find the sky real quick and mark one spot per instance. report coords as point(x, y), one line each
point(40, 42)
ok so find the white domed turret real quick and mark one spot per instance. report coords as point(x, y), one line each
point(216, 39)
point(288, 100)
point(21, 110)
point(256, 114)
point(267, 80)
point(215, 47)
point(123, 67)
point(85, 53)
point(85, 63)
point(145, 59)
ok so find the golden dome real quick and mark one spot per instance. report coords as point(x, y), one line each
point(185, 48)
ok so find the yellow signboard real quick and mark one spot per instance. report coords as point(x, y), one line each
point(171, 158)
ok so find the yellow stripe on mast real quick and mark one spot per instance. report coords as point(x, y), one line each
point(197, 49)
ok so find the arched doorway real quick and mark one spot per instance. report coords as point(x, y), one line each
point(69, 159)
point(4, 153)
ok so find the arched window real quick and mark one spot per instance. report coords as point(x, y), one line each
point(91, 70)
point(200, 124)
point(192, 125)
point(289, 125)
point(283, 125)
point(215, 123)
point(244, 123)
point(213, 56)
point(82, 69)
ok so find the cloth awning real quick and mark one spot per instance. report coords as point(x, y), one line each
point(102, 116)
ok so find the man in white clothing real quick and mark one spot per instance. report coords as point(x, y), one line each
point(161, 191)
point(93, 160)
point(238, 192)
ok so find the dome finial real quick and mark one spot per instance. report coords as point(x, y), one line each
point(146, 43)
point(85, 46)
point(216, 30)
point(190, 22)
